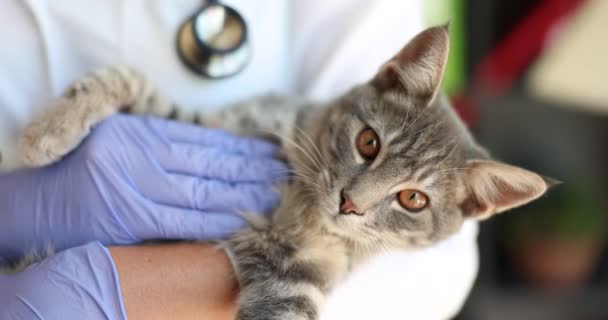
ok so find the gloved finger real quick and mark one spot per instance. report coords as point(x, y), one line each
point(185, 133)
point(179, 223)
point(213, 195)
point(215, 163)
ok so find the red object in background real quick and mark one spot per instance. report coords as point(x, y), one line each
point(505, 64)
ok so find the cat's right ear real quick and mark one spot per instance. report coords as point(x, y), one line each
point(418, 68)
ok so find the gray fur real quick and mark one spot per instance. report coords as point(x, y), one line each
point(9, 267)
point(287, 265)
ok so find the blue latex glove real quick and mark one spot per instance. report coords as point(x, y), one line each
point(79, 283)
point(135, 179)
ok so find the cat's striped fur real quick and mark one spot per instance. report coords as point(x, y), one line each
point(287, 264)
point(109, 90)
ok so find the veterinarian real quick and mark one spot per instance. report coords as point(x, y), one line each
point(111, 192)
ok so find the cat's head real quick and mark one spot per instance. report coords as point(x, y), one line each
point(396, 167)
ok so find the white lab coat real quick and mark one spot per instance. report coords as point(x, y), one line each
point(317, 48)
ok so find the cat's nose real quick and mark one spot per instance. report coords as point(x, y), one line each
point(347, 206)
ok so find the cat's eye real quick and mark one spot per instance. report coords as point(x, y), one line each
point(412, 200)
point(368, 144)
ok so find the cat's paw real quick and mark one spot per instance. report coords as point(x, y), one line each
point(280, 317)
point(41, 145)
point(50, 137)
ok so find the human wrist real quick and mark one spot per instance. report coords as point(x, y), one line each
point(183, 281)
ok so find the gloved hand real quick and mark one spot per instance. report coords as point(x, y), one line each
point(77, 283)
point(138, 178)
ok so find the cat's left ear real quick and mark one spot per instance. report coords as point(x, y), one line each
point(493, 187)
point(418, 68)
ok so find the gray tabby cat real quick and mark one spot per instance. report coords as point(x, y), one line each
point(386, 165)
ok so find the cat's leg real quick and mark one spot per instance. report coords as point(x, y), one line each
point(275, 285)
point(86, 102)
point(276, 300)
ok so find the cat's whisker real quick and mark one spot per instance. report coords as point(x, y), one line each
point(309, 196)
point(451, 170)
point(407, 117)
point(306, 179)
point(419, 115)
point(304, 174)
point(320, 156)
point(299, 147)
point(457, 144)
point(293, 172)
point(421, 130)
point(289, 140)
point(428, 127)
point(320, 161)
point(299, 165)
point(308, 182)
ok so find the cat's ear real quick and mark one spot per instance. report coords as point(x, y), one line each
point(418, 68)
point(494, 187)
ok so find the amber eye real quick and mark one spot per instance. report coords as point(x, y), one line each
point(412, 200)
point(368, 144)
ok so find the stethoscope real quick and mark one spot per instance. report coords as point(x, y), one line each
point(213, 42)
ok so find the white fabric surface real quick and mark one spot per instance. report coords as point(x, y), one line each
point(318, 48)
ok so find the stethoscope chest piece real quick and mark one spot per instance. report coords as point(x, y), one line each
point(213, 42)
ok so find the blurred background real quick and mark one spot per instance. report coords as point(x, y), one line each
point(531, 79)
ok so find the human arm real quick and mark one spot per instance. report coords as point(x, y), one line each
point(171, 281)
